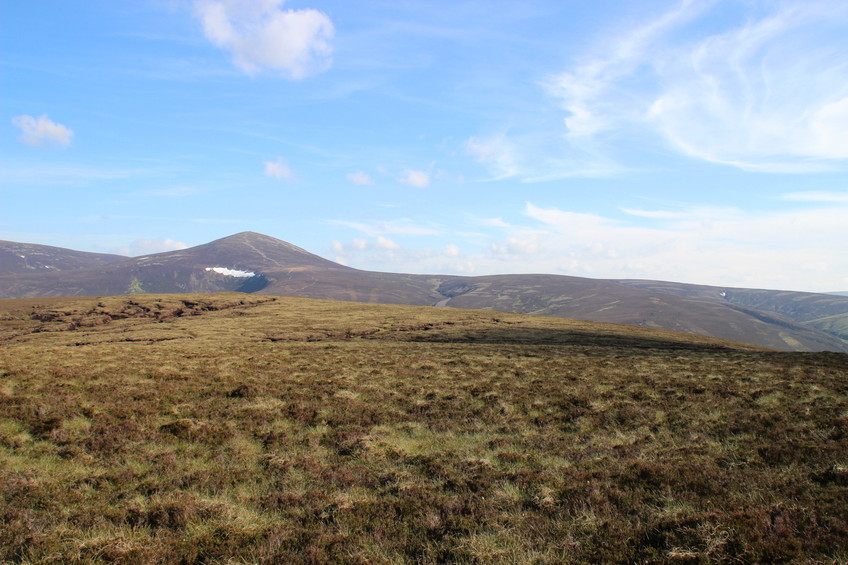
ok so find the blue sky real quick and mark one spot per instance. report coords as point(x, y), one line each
point(694, 141)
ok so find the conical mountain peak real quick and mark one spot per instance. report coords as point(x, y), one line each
point(259, 251)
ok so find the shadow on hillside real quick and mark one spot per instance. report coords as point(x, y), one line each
point(551, 337)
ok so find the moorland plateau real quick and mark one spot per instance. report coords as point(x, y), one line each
point(250, 428)
point(255, 263)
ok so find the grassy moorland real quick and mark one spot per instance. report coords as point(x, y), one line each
point(256, 429)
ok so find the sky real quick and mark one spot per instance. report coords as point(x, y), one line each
point(699, 141)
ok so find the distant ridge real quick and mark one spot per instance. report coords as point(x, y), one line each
point(29, 258)
point(256, 263)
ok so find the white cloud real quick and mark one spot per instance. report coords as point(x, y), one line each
point(592, 93)
point(451, 250)
point(744, 98)
point(261, 35)
point(42, 132)
point(384, 242)
point(144, 246)
point(796, 249)
point(278, 170)
point(382, 254)
point(817, 196)
point(765, 91)
point(494, 222)
point(419, 179)
point(359, 245)
point(702, 213)
point(360, 178)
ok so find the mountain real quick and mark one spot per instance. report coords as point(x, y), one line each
point(28, 258)
point(256, 263)
point(234, 263)
point(627, 302)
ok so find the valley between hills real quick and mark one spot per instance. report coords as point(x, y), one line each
point(258, 264)
point(250, 428)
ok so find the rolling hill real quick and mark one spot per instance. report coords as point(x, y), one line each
point(822, 311)
point(27, 258)
point(255, 263)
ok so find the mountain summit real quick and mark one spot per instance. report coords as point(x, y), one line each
point(239, 262)
point(247, 250)
point(256, 263)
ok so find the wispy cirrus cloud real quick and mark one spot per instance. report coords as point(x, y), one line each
point(262, 35)
point(497, 152)
point(763, 90)
point(817, 196)
point(592, 90)
point(62, 174)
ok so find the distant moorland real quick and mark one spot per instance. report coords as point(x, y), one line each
point(248, 428)
point(255, 263)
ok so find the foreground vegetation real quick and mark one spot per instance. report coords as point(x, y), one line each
point(255, 429)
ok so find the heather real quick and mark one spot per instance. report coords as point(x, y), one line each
point(256, 429)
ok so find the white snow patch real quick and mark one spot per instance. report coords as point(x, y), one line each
point(231, 272)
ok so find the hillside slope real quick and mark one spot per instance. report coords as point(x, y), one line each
point(827, 312)
point(612, 301)
point(29, 258)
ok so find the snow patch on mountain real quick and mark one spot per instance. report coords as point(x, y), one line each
point(231, 272)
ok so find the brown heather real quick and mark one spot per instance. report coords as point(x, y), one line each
point(255, 429)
